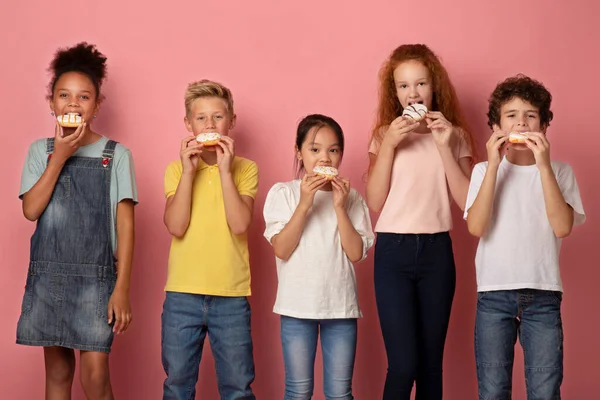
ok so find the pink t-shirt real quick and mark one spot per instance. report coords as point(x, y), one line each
point(419, 197)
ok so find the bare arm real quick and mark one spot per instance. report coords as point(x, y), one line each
point(378, 181)
point(458, 174)
point(352, 243)
point(179, 206)
point(286, 241)
point(560, 214)
point(37, 198)
point(238, 208)
point(119, 306)
point(380, 165)
point(480, 213)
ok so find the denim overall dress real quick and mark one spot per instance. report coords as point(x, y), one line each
point(72, 270)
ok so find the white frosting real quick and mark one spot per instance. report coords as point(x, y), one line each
point(323, 170)
point(517, 136)
point(416, 111)
point(208, 137)
point(70, 118)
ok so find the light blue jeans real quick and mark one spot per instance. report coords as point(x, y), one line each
point(186, 320)
point(338, 344)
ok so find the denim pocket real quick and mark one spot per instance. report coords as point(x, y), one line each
point(556, 296)
point(105, 289)
point(481, 295)
point(62, 189)
point(27, 304)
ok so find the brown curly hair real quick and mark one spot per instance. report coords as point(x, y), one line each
point(445, 99)
point(526, 89)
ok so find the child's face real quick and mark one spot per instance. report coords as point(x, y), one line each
point(209, 114)
point(517, 115)
point(320, 147)
point(413, 84)
point(74, 92)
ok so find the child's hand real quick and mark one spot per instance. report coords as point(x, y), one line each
point(119, 311)
point(539, 145)
point(189, 154)
point(398, 129)
point(225, 154)
point(341, 189)
point(65, 146)
point(308, 187)
point(495, 146)
point(441, 129)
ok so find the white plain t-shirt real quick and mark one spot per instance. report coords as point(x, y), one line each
point(520, 250)
point(318, 280)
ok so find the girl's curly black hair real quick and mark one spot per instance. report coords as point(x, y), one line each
point(83, 58)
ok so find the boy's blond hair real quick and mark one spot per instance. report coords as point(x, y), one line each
point(207, 88)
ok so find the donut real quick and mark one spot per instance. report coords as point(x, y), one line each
point(517, 137)
point(208, 139)
point(415, 111)
point(327, 172)
point(69, 120)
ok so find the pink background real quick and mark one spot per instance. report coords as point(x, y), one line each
point(284, 60)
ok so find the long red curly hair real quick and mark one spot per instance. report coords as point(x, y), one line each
point(445, 99)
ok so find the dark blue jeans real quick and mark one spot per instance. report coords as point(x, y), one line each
point(186, 320)
point(533, 316)
point(415, 279)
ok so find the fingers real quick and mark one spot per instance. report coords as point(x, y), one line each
point(539, 138)
point(79, 134)
point(226, 147)
point(192, 151)
point(500, 142)
point(111, 315)
point(118, 321)
point(58, 132)
point(122, 321)
point(185, 142)
point(495, 136)
point(317, 183)
point(439, 124)
point(435, 115)
point(127, 321)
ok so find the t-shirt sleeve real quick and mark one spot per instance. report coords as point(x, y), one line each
point(247, 184)
point(474, 186)
point(125, 176)
point(278, 210)
point(34, 166)
point(570, 191)
point(374, 146)
point(463, 148)
point(172, 178)
point(358, 212)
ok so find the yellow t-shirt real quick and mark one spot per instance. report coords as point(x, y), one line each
point(209, 259)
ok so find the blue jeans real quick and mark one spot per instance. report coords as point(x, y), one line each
point(338, 343)
point(533, 315)
point(186, 319)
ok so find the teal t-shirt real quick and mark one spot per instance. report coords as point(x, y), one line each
point(122, 180)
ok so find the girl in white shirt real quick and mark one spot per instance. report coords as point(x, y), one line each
point(318, 228)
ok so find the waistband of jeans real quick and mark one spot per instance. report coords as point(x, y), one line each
point(65, 269)
point(414, 235)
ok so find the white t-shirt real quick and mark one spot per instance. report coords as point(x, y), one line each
point(318, 280)
point(520, 250)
